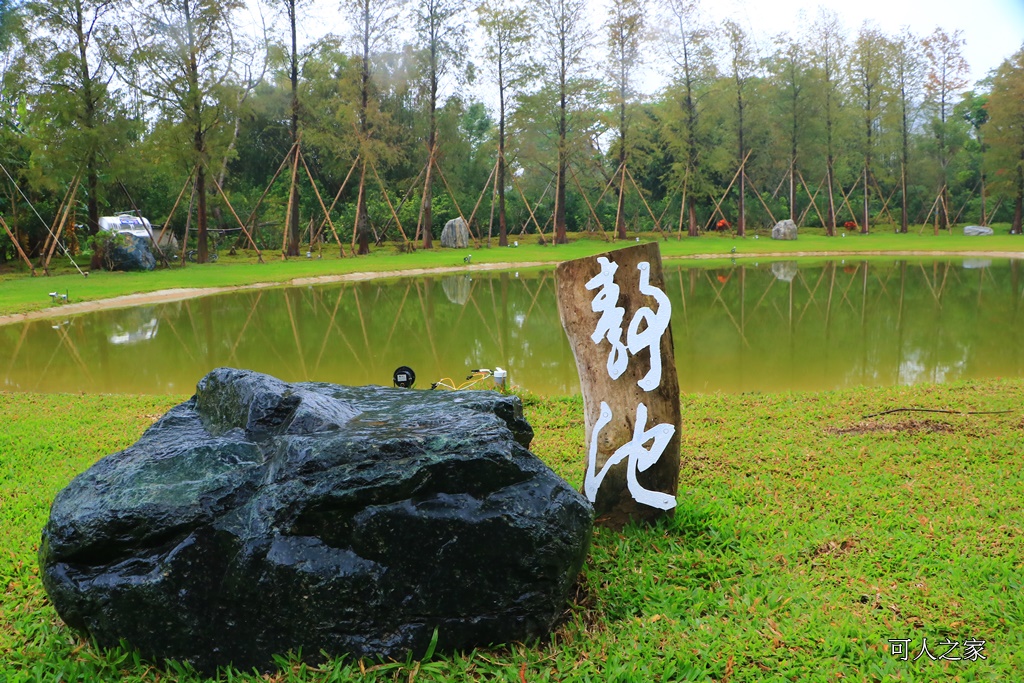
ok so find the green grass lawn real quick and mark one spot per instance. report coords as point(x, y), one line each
point(806, 537)
point(20, 293)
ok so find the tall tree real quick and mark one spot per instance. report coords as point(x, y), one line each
point(973, 109)
point(908, 72)
point(291, 8)
point(626, 35)
point(1005, 134)
point(185, 51)
point(75, 68)
point(689, 45)
point(565, 37)
point(947, 77)
point(373, 23)
point(13, 89)
point(828, 54)
point(743, 68)
point(508, 32)
point(442, 38)
point(870, 78)
point(789, 69)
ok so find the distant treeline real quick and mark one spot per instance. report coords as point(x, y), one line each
point(112, 105)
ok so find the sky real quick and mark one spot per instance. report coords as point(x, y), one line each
point(992, 29)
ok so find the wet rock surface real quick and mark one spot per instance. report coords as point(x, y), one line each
point(134, 255)
point(261, 517)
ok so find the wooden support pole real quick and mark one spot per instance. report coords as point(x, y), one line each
point(64, 221)
point(657, 223)
point(387, 198)
point(455, 201)
point(528, 208)
point(188, 223)
point(174, 208)
point(589, 205)
point(57, 219)
point(252, 214)
point(17, 245)
point(682, 207)
point(812, 199)
point(487, 186)
point(759, 198)
point(316, 191)
point(291, 200)
point(718, 204)
point(337, 196)
point(259, 254)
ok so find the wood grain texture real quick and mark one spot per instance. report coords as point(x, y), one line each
point(614, 504)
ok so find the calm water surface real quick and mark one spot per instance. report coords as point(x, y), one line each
point(748, 327)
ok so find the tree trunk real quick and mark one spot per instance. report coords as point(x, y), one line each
point(620, 219)
point(630, 390)
point(293, 201)
point(560, 236)
point(903, 196)
point(362, 226)
point(204, 252)
point(502, 225)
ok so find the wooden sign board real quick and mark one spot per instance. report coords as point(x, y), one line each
point(615, 311)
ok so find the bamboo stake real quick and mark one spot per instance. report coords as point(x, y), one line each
point(64, 221)
point(718, 204)
point(17, 245)
point(812, 198)
point(455, 201)
point(589, 205)
point(487, 185)
point(263, 196)
point(259, 254)
point(175, 207)
point(337, 196)
point(657, 224)
point(758, 195)
point(846, 198)
point(57, 216)
point(188, 224)
point(516, 183)
point(682, 207)
point(316, 191)
point(291, 200)
point(408, 193)
point(387, 198)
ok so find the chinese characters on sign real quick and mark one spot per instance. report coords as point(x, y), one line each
point(609, 327)
point(945, 650)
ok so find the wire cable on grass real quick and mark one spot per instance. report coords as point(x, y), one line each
point(938, 410)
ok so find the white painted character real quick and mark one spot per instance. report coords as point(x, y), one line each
point(609, 326)
point(655, 325)
point(639, 458)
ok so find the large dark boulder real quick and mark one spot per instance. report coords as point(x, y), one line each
point(133, 254)
point(261, 517)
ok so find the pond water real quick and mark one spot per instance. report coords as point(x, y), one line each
point(746, 327)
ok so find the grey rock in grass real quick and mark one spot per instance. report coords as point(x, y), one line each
point(784, 230)
point(978, 230)
point(261, 517)
point(455, 234)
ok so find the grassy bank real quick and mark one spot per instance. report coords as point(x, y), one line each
point(806, 537)
point(20, 293)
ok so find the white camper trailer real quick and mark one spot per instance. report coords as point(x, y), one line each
point(127, 223)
